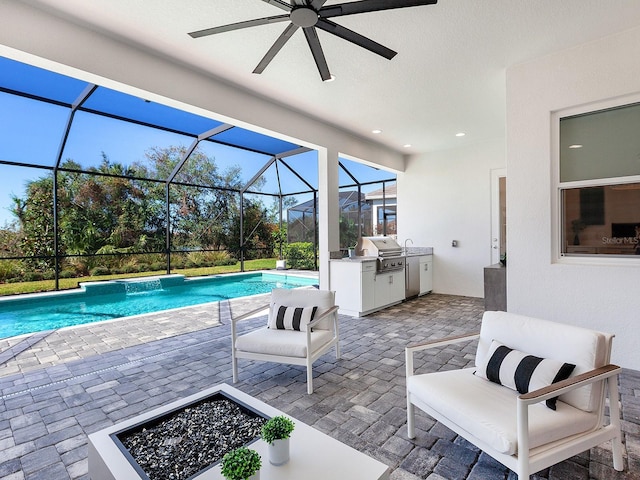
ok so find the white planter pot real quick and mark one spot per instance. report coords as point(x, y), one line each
point(279, 452)
point(281, 264)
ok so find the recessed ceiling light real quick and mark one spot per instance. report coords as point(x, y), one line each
point(407, 145)
point(576, 145)
point(377, 130)
point(460, 134)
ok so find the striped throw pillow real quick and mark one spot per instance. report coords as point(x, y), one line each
point(521, 371)
point(291, 318)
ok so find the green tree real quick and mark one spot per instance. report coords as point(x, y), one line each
point(10, 240)
point(35, 217)
point(107, 211)
point(200, 215)
point(111, 209)
point(258, 238)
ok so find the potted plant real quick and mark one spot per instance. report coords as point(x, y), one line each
point(276, 433)
point(241, 464)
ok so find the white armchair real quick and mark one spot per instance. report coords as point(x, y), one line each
point(288, 338)
point(513, 426)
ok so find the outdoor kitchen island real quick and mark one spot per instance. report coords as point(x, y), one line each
point(360, 289)
point(367, 283)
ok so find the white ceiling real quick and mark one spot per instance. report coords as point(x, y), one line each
point(448, 76)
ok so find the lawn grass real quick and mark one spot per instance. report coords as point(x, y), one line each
point(69, 283)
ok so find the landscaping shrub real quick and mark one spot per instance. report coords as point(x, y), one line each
point(300, 255)
point(225, 261)
point(10, 269)
point(48, 275)
point(158, 266)
point(195, 259)
point(67, 274)
point(32, 277)
point(129, 268)
point(97, 271)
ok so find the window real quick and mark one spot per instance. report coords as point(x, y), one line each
point(599, 182)
point(386, 224)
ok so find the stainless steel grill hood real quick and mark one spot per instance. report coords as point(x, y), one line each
point(381, 247)
point(385, 249)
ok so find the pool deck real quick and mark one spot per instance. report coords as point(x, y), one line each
point(76, 381)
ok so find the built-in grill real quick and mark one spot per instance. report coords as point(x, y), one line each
point(386, 249)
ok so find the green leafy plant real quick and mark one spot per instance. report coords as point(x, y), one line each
point(300, 255)
point(277, 428)
point(240, 464)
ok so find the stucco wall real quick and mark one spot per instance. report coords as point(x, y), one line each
point(445, 196)
point(603, 297)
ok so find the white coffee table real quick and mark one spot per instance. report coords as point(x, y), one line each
point(314, 455)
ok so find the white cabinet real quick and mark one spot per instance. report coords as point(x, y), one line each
point(360, 290)
point(389, 288)
point(368, 283)
point(354, 284)
point(426, 274)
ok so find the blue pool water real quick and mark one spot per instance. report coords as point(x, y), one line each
point(109, 300)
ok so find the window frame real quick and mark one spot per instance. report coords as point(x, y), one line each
point(557, 187)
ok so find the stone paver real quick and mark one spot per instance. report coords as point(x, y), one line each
point(99, 375)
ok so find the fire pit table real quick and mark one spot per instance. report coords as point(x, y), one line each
point(314, 455)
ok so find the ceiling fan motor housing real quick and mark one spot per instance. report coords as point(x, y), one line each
point(304, 17)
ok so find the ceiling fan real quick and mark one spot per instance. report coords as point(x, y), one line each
point(312, 14)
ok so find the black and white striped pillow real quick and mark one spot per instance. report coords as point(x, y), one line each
point(291, 318)
point(521, 371)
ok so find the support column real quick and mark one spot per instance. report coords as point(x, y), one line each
point(328, 211)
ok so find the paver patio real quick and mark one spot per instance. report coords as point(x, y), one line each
point(58, 389)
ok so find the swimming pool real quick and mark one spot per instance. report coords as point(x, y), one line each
point(122, 298)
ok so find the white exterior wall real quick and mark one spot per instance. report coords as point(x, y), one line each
point(603, 297)
point(445, 196)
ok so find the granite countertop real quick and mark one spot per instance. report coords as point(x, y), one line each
point(409, 252)
point(417, 251)
point(355, 259)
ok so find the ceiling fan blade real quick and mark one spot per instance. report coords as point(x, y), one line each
point(239, 25)
point(275, 48)
point(317, 4)
point(365, 6)
point(353, 37)
point(280, 4)
point(318, 54)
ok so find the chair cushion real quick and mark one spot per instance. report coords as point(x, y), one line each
point(587, 349)
point(306, 297)
point(286, 343)
point(521, 371)
point(488, 411)
point(282, 317)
